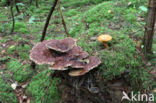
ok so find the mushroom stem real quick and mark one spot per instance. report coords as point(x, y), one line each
point(106, 45)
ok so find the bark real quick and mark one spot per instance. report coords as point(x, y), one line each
point(12, 15)
point(63, 21)
point(149, 28)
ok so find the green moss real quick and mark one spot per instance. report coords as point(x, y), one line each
point(20, 72)
point(11, 49)
point(6, 92)
point(23, 30)
point(39, 84)
point(71, 12)
point(77, 3)
point(119, 58)
point(21, 27)
point(23, 51)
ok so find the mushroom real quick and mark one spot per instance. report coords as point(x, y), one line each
point(71, 58)
point(62, 46)
point(48, 52)
point(61, 65)
point(105, 38)
point(41, 55)
point(93, 63)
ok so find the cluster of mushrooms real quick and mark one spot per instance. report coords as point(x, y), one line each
point(63, 55)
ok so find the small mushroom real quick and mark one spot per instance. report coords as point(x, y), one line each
point(104, 39)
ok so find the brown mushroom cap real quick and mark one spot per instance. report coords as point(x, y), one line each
point(41, 55)
point(71, 58)
point(77, 64)
point(104, 38)
point(78, 53)
point(61, 65)
point(93, 63)
point(84, 55)
point(63, 45)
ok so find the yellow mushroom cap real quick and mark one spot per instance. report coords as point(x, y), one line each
point(77, 72)
point(104, 38)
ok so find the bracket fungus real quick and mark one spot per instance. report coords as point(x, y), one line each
point(41, 55)
point(62, 54)
point(104, 39)
point(62, 46)
point(93, 63)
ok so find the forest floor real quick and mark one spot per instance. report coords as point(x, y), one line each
point(85, 21)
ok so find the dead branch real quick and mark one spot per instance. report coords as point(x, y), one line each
point(48, 19)
point(63, 21)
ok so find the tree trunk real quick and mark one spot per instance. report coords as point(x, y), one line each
point(149, 28)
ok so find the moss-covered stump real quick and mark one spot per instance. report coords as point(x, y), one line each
point(83, 89)
point(90, 88)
